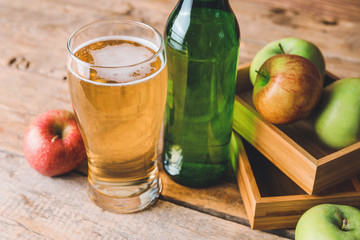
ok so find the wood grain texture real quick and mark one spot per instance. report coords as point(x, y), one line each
point(33, 79)
point(338, 165)
point(330, 10)
point(37, 207)
point(265, 137)
point(338, 43)
point(222, 200)
point(271, 199)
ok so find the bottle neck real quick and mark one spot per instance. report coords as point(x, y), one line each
point(218, 1)
point(219, 4)
point(205, 1)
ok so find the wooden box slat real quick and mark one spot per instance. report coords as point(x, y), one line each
point(272, 200)
point(293, 148)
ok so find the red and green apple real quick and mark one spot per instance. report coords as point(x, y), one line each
point(287, 88)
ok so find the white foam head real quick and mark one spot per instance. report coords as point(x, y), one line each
point(118, 60)
point(120, 55)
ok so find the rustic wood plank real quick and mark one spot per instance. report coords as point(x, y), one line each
point(24, 97)
point(33, 63)
point(36, 207)
point(260, 24)
point(331, 10)
point(222, 200)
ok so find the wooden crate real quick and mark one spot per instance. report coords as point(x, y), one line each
point(272, 200)
point(293, 148)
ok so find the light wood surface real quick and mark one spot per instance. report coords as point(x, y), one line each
point(37, 207)
point(33, 53)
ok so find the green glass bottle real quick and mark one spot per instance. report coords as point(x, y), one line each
point(202, 40)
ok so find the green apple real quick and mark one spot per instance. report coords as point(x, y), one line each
point(289, 45)
point(287, 88)
point(329, 222)
point(337, 119)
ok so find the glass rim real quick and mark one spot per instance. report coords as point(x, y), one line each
point(114, 20)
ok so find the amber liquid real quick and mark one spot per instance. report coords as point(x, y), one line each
point(119, 112)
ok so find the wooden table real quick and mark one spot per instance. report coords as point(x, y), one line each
point(33, 53)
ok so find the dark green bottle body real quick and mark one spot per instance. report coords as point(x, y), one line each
point(202, 42)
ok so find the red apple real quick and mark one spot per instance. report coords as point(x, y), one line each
point(53, 144)
point(287, 88)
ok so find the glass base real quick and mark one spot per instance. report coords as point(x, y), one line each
point(126, 204)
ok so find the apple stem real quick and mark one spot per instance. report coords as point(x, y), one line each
point(281, 49)
point(344, 224)
point(54, 138)
point(260, 73)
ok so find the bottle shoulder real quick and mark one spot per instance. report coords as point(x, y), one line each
point(204, 28)
point(186, 28)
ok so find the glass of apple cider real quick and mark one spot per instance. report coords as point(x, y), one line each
point(117, 78)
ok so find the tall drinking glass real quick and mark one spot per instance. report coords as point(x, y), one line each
point(117, 78)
